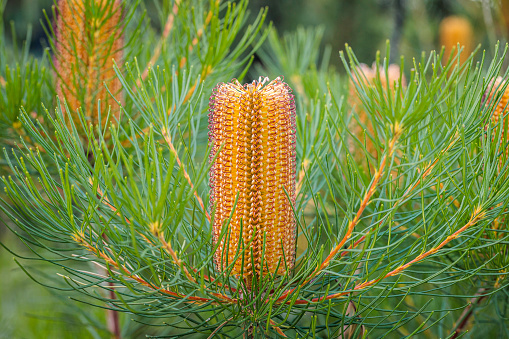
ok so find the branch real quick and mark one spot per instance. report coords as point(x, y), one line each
point(423, 176)
point(467, 313)
point(205, 72)
point(167, 138)
point(476, 216)
point(112, 320)
point(155, 228)
point(166, 246)
point(157, 50)
point(112, 315)
point(80, 239)
point(431, 166)
point(364, 203)
point(219, 328)
point(164, 36)
point(277, 329)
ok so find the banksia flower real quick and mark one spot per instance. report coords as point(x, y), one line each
point(252, 134)
point(491, 97)
point(453, 31)
point(499, 98)
point(88, 37)
point(370, 74)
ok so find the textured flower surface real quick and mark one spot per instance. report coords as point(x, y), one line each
point(88, 37)
point(252, 134)
point(498, 97)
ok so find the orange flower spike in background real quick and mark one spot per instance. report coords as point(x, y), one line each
point(88, 37)
point(252, 135)
point(501, 107)
point(498, 101)
point(456, 30)
point(393, 73)
point(70, 49)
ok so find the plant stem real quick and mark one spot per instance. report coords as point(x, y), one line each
point(112, 317)
point(250, 332)
point(248, 280)
point(465, 317)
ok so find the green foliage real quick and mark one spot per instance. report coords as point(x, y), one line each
point(393, 245)
point(24, 79)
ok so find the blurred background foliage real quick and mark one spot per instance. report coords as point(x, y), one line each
point(412, 26)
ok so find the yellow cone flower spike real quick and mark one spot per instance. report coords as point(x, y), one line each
point(252, 134)
point(88, 37)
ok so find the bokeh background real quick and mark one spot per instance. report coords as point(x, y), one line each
point(412, 26)
point(28, 310)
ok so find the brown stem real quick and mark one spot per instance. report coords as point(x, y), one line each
point(112, 316)
point(468, 312)
point(218, 328)
point(250, 332)
point(112, 319)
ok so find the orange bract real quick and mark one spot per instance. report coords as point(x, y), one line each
point(88, 37)
point(252, 134)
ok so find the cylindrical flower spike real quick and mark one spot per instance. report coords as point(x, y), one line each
point(456, 30)
point(498, 98)
point(88, 37)
point(252, 135)
point(491, 98)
